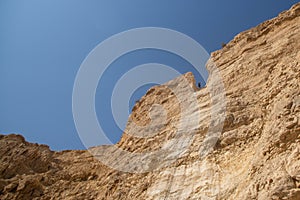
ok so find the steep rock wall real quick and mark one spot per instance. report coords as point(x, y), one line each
point(255, 156)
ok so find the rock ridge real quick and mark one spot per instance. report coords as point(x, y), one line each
point(256, 155)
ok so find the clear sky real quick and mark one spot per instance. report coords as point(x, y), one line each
point(43, 43)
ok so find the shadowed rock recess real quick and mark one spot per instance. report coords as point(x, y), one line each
point(257, 155)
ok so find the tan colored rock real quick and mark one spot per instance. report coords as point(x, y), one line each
point(20, 157)
point(254, 156)
point(293, 164)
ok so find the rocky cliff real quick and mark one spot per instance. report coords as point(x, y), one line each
point(255, 154)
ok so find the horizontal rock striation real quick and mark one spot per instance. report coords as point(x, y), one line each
point(236, 138)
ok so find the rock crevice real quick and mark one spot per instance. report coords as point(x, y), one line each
point(254, 156)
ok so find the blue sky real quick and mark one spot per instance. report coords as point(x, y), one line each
point(43, 43)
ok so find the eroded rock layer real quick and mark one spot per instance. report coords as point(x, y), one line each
point(256, 155)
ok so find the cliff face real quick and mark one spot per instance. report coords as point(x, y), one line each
point(255, 156)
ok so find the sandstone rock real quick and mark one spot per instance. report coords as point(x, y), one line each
point(20, 157)
point(293, 164)
point(255, 154)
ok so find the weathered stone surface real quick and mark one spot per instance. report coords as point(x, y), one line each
point(20, 157)
point(255, 155)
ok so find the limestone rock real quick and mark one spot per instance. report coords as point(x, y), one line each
point(254, 156)
point(293, 164)
point(20, 157)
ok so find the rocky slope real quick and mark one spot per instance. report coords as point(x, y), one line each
point(183, 153)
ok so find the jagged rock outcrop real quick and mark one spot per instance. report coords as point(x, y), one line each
point(255, 156)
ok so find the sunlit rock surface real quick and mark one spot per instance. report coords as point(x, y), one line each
point(181, 153)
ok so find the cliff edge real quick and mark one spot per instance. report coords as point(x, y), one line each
point(256, 155)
